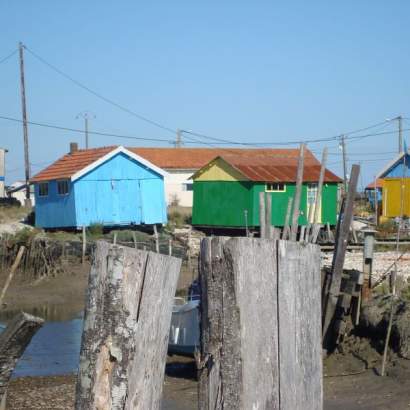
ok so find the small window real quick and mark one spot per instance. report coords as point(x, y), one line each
point(188, 186)
point(62, 187)
point(275, 187)
point(43, 189)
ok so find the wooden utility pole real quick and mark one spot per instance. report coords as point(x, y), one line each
point(343, 147)
point(399, 120)
point(86, 116)
point(298, 193)
point(25, 131)
point(178, 140)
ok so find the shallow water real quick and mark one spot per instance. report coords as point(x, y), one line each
point(55, 349)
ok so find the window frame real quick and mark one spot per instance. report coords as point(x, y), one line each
point(67, 182)
point(187, 185)
point(40, 193)
point(275, 190)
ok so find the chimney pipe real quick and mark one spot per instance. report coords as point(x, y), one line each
point(73, 147)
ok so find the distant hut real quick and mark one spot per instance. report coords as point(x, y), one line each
point(374, 191)
point(226, 191)
point(396, 186)
point(109, 186)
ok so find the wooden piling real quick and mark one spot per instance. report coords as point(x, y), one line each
point(126, 327)
point(247, 360)
point(156, 236)
point(268, 217)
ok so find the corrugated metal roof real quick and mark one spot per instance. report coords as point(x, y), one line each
point(166, 158)
point(378, 183)
point(278, 168)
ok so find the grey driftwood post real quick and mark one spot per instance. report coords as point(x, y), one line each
point(126, 327)
point(13, 343)
point(262, 214)
point(258, 350)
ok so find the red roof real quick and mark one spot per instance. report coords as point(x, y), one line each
point(279, 168)
point(193, 159)
point(378, 183)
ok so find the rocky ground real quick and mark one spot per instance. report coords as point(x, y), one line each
point(381, 263)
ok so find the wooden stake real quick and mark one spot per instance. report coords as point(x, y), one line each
point(318, 199)
point(84, 245)
point(156, 238)
point(115, 239)
point(286, 228)
point(11, 274)
point(268, 217)
point(262, 214)
point(170, 246)
point(298, 193)
point(342, 236)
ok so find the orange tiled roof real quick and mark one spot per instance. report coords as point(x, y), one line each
point(378, 183)
point(167, 158)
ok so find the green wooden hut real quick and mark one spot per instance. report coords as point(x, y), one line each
point(226, 190)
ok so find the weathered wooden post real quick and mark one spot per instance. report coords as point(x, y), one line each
point(84, 245)
point(268, 217)
point(286, 228)
point(126, 327)
point(260, 325)
point(262, 214)
point(13, 343)
point(298, 193)
point(342, 236)
point(156, 239)
point(13, 269)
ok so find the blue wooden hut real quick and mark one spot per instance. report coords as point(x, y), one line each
point(109, 186)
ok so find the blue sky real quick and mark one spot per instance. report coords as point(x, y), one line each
point(243, 71)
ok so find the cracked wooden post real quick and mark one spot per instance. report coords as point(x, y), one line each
point(13, 343)
point(126, 327)
point(260, 325)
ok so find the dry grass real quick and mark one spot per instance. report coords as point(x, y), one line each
point(13, 213)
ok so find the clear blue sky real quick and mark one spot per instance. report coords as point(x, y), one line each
point(240, 70)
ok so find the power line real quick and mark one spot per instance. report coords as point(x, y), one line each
point(39, 124)
point(7, 57)
point(98, 95)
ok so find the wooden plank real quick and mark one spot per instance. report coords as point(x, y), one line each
point(286, 228)
point(125, 336)
point(13, 269)
point(342, 236)
point(239, 346)
point(300, 341)
point(262, 214)
point(268, 217)
point(84, 236)
point(13, 343)
point(298, 193)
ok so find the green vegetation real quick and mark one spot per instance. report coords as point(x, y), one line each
point(13, 213)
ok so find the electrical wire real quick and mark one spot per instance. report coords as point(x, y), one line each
point(7, 57)
point(98, 95)
point(58, 127)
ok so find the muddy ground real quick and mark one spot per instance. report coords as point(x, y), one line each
point(351, 379)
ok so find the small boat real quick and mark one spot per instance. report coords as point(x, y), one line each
point(184, 331)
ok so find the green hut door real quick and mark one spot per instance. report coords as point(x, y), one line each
point(311, 199)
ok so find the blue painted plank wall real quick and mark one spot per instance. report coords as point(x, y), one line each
point(120, 192)
point(55, 210)
point(397, 170)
